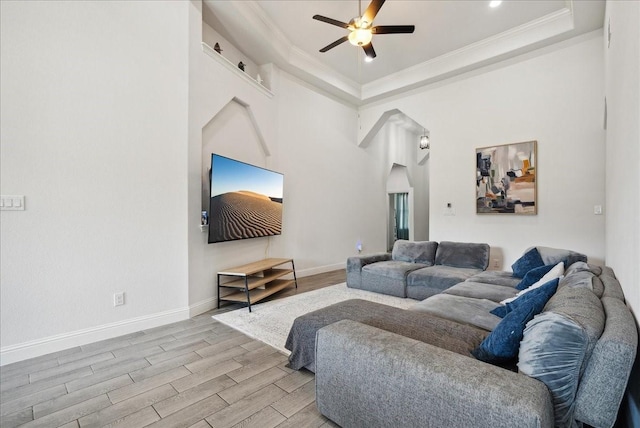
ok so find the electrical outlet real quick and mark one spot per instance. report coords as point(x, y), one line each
point(496, 263)
point(118, 299)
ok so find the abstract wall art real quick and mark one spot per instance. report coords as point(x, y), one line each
point(506, 179)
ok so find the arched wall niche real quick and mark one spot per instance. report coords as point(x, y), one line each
point(233, 132)
point(395, 136)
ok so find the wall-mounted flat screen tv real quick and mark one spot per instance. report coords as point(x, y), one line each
point(246, 201)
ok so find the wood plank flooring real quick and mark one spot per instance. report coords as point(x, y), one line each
point(195, 373)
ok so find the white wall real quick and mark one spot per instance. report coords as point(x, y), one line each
point(552, 96)
point(96, 139)
point(622, 68)
point(330, 185)
point(622, 88)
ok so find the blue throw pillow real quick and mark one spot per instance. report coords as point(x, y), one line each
point(530, 260)
point(533, 276)
point(503, 343)
point(535, 298)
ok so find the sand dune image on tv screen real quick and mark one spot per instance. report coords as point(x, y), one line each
point(244, 214)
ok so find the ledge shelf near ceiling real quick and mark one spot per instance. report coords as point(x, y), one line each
point(234, 69)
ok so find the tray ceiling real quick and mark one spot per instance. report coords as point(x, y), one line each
point(451, 37)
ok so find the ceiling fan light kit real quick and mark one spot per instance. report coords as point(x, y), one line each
point(360, 36)
point(361, 29)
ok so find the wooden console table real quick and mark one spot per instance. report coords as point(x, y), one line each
point(247, 278)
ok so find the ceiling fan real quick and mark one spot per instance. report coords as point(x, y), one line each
point(361, 29)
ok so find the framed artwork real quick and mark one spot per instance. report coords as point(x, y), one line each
point(506, 179)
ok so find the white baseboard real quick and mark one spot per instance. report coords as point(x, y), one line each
point(320, 269)
point(203, 306)
point(47, 345)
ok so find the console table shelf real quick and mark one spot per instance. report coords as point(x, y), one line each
point(245, 280)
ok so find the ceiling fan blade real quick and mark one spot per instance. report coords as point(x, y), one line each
point(331, 21)
point(369, 51)
point(393, 29)
point(372, 10)
point(334, 44)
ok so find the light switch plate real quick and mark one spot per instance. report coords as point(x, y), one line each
point(12, 202)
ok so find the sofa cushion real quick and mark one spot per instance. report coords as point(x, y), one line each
point(418, 252)
point(445, 334)
point(608, 367)
point(392, 268)
point(426, 282)
point(582, 267)
point(533, 276)
point(553, 349)
point(581, 274)
point(583, 307)
point(536, 299)
point(554, 273)
point(597, 286)
point(463, 255)
point(578, 279)
point(556, 255)
point(475, 312)
point(355, 264)
point(496, 277)
point(611, 286)
point(503, 342)
point(529, 260)
point(479, 290)
point(388, 277)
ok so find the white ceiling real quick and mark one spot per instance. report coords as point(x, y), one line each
point(451, 37)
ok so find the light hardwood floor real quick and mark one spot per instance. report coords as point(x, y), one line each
point(195, 373)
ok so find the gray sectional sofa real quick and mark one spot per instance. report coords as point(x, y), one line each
point(379, 366)
point(417, 269)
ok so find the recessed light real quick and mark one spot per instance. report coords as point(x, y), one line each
point(495, 3)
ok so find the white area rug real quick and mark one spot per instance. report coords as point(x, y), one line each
point(271, 321)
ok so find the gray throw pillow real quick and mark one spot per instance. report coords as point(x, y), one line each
point(552, 350)
point(463, 254)
point(415, 251)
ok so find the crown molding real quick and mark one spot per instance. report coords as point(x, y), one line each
point(261, 30)
point(476, 53)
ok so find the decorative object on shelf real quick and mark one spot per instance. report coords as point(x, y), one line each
point(217, 48)
point(241, 65)
point(204, 218)
point(259, 79)
point(424, 141)
point(506, 179)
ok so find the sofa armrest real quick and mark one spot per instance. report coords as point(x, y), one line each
point(370, 377)
point(356, 263)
